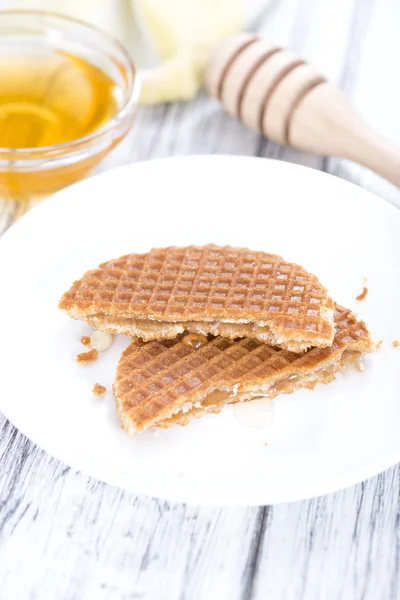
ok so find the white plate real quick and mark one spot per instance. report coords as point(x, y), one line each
point(318, 442)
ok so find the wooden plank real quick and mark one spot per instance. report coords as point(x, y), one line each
point(73, 537)
point(337, 547)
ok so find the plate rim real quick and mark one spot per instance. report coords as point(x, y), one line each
point(53, 198)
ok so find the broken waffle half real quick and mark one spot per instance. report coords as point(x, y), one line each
point(161, 383)
point(223, 291)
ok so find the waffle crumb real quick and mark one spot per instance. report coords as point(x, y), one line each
point(363, 294)
point(396, 343)
point(98, 390)
point(85, 340)
point(378, 344)
point(86, 357)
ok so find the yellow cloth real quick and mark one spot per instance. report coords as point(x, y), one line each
point(182, 32)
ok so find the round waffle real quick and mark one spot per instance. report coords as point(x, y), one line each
point(161, 383)
point(231, 292)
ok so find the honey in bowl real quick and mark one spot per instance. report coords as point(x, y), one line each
point(68, 96)
point(52, 97)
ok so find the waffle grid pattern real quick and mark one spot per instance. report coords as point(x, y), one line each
point(187, 283)
point(152, 376)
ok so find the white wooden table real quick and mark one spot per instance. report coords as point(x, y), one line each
point(66, 536)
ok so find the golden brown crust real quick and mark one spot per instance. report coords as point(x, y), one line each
point(211, 283)
point(162, 382)
point(85, 340)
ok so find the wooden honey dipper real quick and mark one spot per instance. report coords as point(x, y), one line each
point(278, 94)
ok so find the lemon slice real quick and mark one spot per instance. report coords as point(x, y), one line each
point(26, 125)
point(75, 79)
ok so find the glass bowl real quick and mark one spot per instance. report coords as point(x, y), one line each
point(34, 172)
